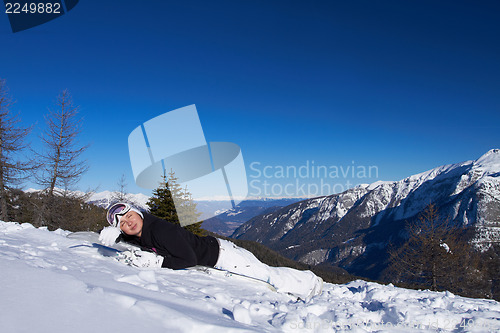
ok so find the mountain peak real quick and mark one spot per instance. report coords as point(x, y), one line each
point(489, 161)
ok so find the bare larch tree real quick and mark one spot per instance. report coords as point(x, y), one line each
point(13, 170)
point(60, 162)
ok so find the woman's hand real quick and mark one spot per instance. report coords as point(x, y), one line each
point(109, 235)
point(141, 259)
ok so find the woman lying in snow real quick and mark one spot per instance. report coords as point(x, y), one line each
point(171, 246)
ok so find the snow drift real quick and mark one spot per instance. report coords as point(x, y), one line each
point(49, 285)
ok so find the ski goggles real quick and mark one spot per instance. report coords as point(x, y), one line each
point(116, 211)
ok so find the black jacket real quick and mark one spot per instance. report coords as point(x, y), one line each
point(179, 247)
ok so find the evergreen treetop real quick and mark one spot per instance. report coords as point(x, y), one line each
point(170, 200)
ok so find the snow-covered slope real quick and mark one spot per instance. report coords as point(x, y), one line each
point(50, 284)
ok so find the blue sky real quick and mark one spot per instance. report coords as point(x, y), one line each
point(403, 86)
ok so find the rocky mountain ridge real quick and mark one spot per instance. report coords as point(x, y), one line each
point(353, 229)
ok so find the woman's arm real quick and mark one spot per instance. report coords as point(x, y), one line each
point(170, 244)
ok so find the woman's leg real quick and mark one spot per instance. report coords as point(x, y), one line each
point(233, 258)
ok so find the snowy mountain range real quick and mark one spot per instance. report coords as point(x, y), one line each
point(352, 229)
point(227, 221)
point(105, 198)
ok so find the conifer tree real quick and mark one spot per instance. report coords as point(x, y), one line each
point(162, 204)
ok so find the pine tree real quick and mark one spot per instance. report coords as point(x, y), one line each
point(188, 212)
point(163, 205)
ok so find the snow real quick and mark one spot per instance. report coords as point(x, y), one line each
point(445, 247)
point(235, 213)
point(376, 184)
point(489, 162)
point(49, 285)
point(425, 187)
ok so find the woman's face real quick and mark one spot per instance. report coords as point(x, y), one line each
point(131, 224)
